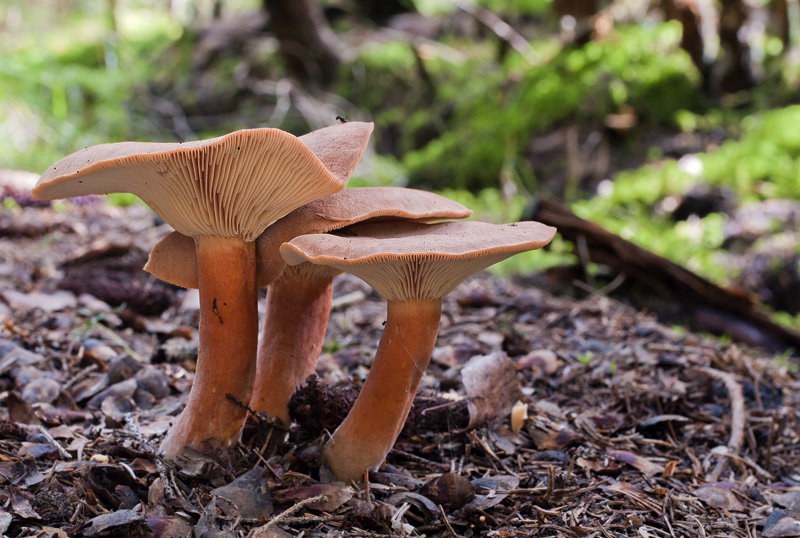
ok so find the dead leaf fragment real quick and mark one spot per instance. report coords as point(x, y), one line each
point(789, 500)
point(490, 490)
point(206, 526)
point(169, 527)
point(781, 524)
point(55, 302)
point(247, 496)
point(335, 496)
point(20, 505)
point(719, 497)
point(270, 532)
point(5, 521)
point(109, 524)
point(602, 467)
point(637, 462)
point(491, 384)
point(19, 410)
point(423, 504)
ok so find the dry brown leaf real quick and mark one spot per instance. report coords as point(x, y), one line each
point(169, 527)
point(719, 497)
point(247, 496)
point(491, 384)
point(490, 491)
point(335, 496)
point(599, 467)
point(638, 462)
point(53, 302)
point(789, 500)
point(781, 524)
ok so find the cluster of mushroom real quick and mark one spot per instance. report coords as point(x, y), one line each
point(262, 207)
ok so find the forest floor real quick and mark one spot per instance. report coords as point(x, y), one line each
point(621, 426)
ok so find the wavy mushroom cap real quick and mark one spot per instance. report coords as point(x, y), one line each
point(339, 146)
point(408, 260)
point(231, 186)
point(173, 259)
point(346, 208)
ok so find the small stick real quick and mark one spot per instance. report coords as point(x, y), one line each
point(738, 417)
point(120, 342)
point(136, 434)
point(80, 375)
point(286, 513)
point(61, 452)
point(450, 530)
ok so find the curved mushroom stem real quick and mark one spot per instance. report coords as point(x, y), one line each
point(362, 441)
point(298, 308)
point(228, 339)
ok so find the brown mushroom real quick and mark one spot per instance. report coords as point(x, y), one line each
point(413, 266)
point(298, 302)
point(222, 192)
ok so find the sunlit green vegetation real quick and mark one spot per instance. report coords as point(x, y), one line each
point(764, 163)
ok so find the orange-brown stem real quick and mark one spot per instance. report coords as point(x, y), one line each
point(228, 340)
point(368, 433)
point(298, 308)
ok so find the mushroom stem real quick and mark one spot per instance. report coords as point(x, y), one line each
point(298, 308)
point(362, 441)
point(227, 352)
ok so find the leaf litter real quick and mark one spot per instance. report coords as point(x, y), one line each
point(539, 415)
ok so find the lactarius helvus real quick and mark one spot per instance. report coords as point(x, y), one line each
point(413, 266)
point(299, 299)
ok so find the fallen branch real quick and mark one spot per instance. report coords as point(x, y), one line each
point(714, 308)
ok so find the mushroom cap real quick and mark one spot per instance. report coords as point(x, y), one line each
point(173, 259)
point(231, 186)
point(339, 146)
point(411, 261)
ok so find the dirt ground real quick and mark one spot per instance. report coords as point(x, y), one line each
point(538, 416)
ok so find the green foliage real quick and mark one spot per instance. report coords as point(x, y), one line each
point(477, 116)
point(764, 163)
point(72, 84)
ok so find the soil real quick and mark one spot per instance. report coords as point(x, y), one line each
point(539, 415)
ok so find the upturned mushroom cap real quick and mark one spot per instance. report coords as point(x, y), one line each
point(173, 259)
point(230, 186)
point(407, 260)
point(339, 146)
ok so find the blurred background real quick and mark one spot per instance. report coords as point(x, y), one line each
point(671, 123)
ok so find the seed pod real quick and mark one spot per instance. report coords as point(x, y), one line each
point(450, 490)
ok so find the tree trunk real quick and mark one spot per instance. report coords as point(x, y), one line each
point(307, 45)
point(737, 72)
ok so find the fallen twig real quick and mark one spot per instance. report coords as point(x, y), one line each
point(61, 451)
point(285, 514)
point(738, 417)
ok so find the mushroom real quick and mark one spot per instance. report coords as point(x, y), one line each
point(298, 300)
point(222, 192)
point(339, 147)
point(413, 266)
